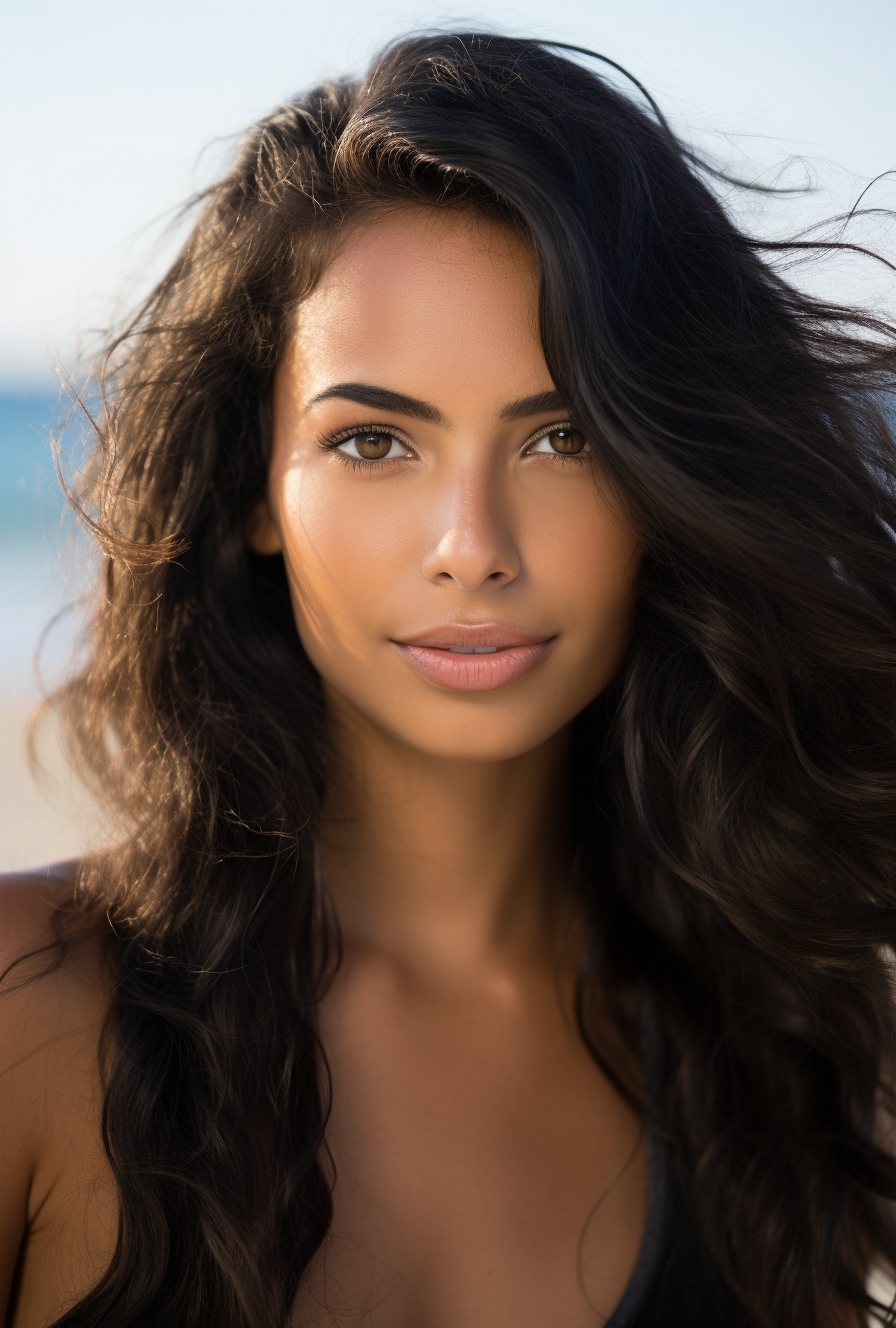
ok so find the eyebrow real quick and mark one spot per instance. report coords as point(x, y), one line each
point(383, 398)
point(536, 405)
point(380, 398)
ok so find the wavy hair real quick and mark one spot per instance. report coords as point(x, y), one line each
point(737, 780)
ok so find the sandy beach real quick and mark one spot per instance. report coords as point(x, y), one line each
point(43, 820)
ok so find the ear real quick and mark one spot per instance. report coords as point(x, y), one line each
point(259, 529)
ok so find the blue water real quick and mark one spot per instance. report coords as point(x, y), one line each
point(37, 553)
point(29, 491)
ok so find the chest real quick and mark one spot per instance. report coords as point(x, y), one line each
point(485, 1170)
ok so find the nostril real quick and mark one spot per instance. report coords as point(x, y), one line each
point(471, 563)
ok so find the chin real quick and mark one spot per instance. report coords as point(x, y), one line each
point(473, 727)
point(474, 736)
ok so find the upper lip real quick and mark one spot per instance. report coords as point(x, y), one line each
point(501, 635)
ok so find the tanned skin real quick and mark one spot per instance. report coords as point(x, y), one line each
point(58, 1216)
point(487, 1171)
point(473, 1136)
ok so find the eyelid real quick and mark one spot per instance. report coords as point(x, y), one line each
point(548, 429)
point(332, 440)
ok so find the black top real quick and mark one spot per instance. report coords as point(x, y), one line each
point(673, 1284)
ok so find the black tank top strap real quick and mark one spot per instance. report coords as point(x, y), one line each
point(673, 1284)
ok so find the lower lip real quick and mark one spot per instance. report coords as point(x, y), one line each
point(475, 673)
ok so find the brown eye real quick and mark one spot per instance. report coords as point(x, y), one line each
point(373, 446)
point(566, 441)
point(370, 446)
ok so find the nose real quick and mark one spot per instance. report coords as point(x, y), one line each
point(472, 543)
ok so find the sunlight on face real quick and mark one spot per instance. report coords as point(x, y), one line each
point(460, 576)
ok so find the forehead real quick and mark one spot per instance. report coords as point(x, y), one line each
point(426, 301)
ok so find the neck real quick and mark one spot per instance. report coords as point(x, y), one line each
point(444, 862)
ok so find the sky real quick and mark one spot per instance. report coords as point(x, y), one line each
point(113, 113)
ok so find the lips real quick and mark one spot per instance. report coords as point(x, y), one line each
point(474, 658)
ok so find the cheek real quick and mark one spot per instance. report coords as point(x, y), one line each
point(347, 550)
point(354, 552)
point(588, 560)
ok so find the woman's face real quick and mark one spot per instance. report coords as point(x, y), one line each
point(460, 572)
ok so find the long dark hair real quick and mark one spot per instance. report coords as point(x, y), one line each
point(739, 775)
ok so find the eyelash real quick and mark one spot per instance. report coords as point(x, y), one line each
point(331, 443)
point(578, 458)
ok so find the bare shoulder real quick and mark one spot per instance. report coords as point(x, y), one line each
point(54, 982)
point(54, 976)
point(28, 904)
point(55, 991)
point(46, 950)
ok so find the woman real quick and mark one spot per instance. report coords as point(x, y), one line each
point(493, 671)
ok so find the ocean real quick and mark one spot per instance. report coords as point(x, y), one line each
point(42, 563)
point(39, 565)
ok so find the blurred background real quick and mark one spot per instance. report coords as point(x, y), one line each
point(114, 113)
